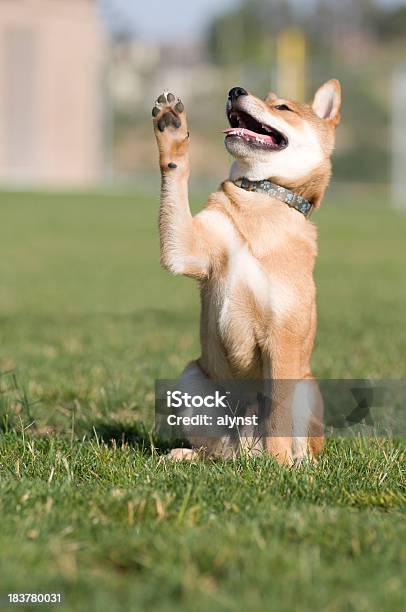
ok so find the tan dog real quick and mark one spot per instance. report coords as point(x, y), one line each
point(253, 250)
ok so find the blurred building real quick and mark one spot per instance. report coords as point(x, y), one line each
point(50, 92)
point(130, 63)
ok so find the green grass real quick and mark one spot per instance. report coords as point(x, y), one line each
point(88, 321)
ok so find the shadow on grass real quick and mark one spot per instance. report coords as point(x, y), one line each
point(112, 433)
point(137, 435)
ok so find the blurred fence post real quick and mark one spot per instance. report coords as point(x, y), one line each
point(291, 64)
point(398, 162)
point(107, 128)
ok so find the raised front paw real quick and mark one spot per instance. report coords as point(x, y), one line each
point(168, 111)
point(170, 128)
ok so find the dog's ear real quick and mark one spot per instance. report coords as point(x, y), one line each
point(270, 97)
point(327, 102)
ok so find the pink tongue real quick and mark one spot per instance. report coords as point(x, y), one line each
point(248, 135)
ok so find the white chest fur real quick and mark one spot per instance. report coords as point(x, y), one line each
point(244, 270)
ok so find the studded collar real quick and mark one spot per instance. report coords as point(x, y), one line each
point(276, 191)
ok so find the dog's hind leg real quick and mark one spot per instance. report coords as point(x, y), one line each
point(184, 454)
point(195, 382)
point(192, 380)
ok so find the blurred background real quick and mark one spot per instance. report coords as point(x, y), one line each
point(78, 78)
point(89, 321)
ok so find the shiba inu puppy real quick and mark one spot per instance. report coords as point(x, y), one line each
point(253, 250)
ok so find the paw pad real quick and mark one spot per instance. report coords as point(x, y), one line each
point(166, 111)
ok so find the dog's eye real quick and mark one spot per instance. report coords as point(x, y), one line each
point(283, 107)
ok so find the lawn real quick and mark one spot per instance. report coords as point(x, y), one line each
point(90, 508)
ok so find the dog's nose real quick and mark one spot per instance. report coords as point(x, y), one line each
point(236, 92)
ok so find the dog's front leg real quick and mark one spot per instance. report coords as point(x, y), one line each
point(184, 248)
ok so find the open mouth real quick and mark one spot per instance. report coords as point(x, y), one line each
point(247, 128)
